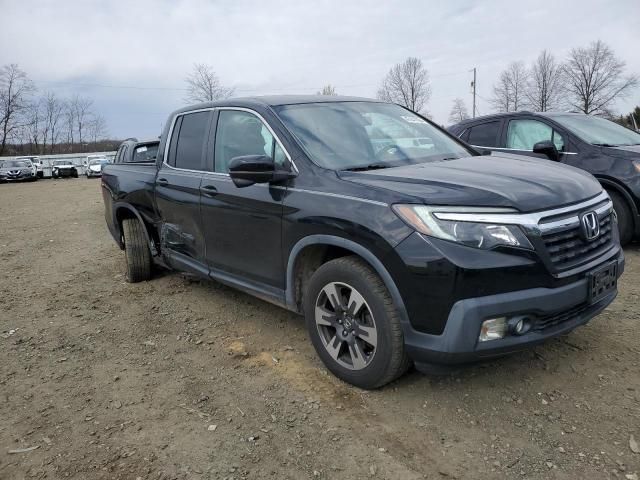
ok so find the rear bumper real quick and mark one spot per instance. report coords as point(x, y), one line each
point(459, 341)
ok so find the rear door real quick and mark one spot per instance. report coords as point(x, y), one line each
point(243, 226)
point(485, 135)
point(177, 191)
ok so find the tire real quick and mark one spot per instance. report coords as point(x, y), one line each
point(365, 365)
point(625, 217)
point(136, 251)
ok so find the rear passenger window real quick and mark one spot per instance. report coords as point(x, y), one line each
point(485, 134)
point(190, 141)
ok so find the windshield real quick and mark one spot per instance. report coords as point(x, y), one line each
point(364, 135)
point(98, 161)
point(16, 164)
point(598, 131)
point(60, 162)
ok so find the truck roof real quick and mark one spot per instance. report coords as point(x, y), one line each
point(275, 100)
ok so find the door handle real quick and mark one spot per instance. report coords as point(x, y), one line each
point(162, 181)
point(209, 190)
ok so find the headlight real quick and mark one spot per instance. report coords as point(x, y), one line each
point(473, 234)
point(636, 163)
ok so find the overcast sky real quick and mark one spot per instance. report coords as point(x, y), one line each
point(132, 57)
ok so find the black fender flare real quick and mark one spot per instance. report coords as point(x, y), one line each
point(357, 249)
point(127, 206)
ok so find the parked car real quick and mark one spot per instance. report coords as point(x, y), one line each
point(133, 151)
point(36, 165)
point(603, 148)
point(395, 251)
point(17, 170)
point(64, 169)
point(94, 165)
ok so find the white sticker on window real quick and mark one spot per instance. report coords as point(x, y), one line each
point(142, 149)
point(412, 119)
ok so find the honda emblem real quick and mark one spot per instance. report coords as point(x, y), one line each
point(590, 226)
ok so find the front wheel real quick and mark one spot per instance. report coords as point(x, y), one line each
point(354, 324)
point(136, 251)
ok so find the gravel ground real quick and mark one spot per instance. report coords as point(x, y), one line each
point(175, 378)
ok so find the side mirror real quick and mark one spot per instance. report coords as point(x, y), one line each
point(546, 147)
point(250, 169)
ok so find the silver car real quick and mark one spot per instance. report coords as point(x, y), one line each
point(17, 171)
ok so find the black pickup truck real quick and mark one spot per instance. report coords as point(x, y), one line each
point(398, 242)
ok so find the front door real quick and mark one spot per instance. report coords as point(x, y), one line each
point(523, 133)
point(178, 193)
point(243, 226)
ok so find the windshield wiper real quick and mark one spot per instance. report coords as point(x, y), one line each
point(604, 145)
point(362, 168)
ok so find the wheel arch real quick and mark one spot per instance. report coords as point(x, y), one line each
point(610, 184)
point(317, 250)
point(126, 210)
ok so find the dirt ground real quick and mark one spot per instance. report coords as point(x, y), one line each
point(176, 378)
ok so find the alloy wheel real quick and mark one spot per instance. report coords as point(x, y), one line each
point(346, 325)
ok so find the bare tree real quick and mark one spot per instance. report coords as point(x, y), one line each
point(15, 90)
point(97, 128)
point(328, 90)
point(407, 84)
point(34, 123)
point(69, 123)
point(545, 86)
point(595, 78)
point(82, 114)
point(203, 85)
point(509, 91)
point(458, 111)
point(53, 110)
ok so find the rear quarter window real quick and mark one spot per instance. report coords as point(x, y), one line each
point(484, 134)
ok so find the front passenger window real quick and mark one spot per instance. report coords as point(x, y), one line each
point(241, 133)
point(524, 134)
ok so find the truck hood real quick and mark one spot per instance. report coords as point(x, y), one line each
point(499, 180)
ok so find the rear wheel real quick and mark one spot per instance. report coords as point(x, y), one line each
point(354, 324)
point(136, 251)
point(625, 217)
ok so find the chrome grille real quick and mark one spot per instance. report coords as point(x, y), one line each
point(566, 248)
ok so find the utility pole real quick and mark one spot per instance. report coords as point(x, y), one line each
point(473, 86)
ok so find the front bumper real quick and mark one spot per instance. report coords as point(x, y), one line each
point(16, 178)
point(567, 307)
point(91, 173)
point(66, 172)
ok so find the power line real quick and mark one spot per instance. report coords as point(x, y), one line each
point(246, 90)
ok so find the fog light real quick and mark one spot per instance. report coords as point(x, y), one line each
point(493, 329)
point(519, 325)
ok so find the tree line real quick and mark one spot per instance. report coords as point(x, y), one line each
point(33, 123)
point(589, 80)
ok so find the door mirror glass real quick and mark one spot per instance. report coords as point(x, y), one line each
point(249, 169)
point(546, 147)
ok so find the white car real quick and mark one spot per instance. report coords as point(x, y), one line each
point(94, 166)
